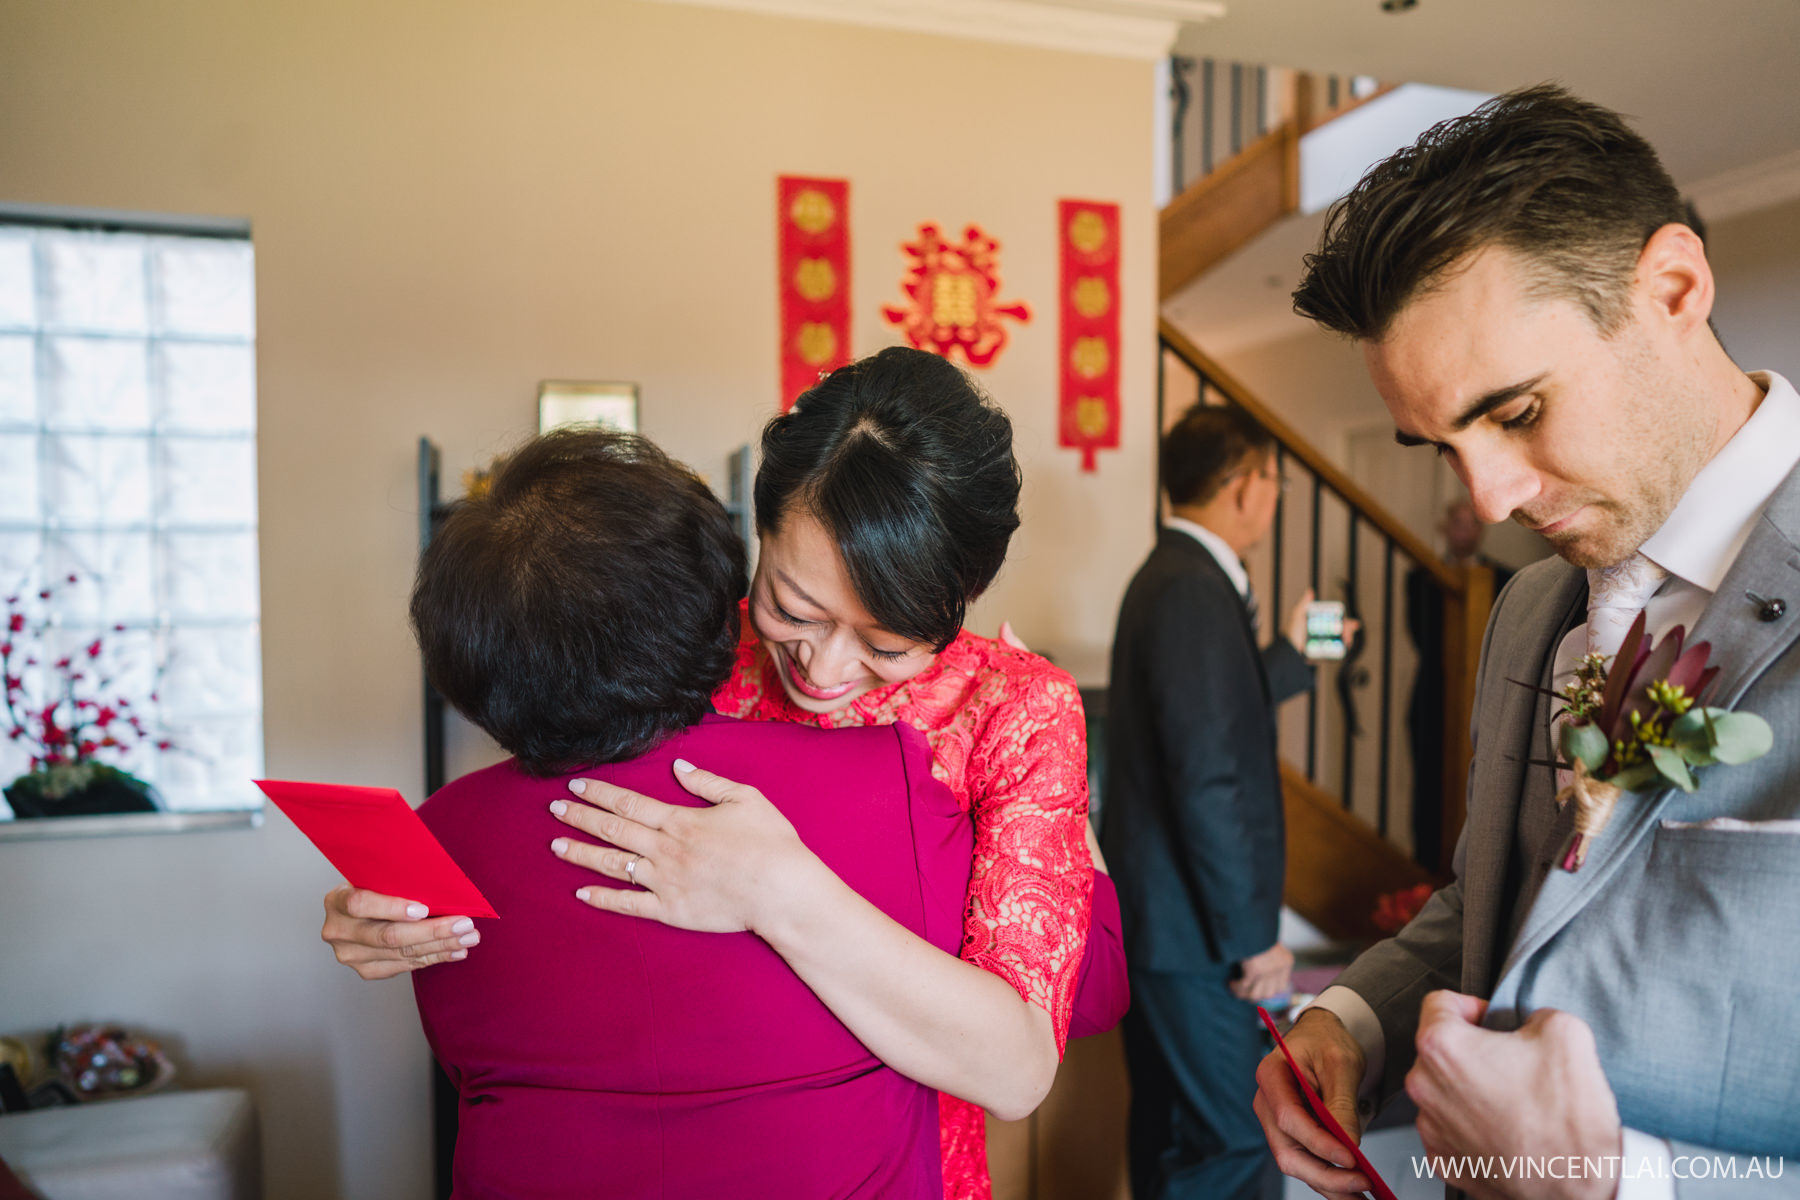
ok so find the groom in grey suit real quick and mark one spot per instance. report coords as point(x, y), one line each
point(1531, 302)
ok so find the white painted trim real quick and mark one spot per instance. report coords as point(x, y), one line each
point(1748, 189)
point(1014, 22)
point(109, 825)
point(1191, 12)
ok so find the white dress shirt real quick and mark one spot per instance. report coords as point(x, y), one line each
point(1220, 549)
point(1696, 545)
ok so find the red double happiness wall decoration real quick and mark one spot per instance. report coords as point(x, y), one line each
point(1088, 418)
point(814, 265)
point(952, 296)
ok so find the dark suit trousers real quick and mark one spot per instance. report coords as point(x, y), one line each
point(1192, 1049)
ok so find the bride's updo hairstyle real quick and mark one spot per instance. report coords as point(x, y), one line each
point(910, 469)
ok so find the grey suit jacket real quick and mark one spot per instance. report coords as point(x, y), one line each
point(1679, 946)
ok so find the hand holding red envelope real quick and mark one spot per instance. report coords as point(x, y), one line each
point(379, 843)
point(1377, 1185)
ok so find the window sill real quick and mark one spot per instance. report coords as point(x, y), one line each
point(126, 824)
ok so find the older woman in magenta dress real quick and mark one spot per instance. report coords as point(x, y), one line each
point(885, 503)
point(592, 1053)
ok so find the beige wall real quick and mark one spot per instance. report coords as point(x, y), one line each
point(451, 201)
point(1756, 262)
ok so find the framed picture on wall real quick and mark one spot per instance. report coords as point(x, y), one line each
point(577, 402)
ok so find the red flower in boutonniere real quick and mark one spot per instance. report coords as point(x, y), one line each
point(1643, 725)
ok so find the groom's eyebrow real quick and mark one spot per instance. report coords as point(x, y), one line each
point(1497, 398)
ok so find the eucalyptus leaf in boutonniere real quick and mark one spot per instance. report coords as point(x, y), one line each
point(1642, 724)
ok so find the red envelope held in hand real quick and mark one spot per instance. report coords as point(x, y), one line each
point(379, 843)
point(1379, 1186)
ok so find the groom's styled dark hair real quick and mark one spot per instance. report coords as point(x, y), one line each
point(1565, 184)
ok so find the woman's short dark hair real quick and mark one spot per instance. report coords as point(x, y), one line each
point(584, 608)
point(1205, 447)
point(1563, 183)
point(911, 470)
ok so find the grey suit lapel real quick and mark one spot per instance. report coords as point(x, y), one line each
point(1509, 715)
point(1743, 646)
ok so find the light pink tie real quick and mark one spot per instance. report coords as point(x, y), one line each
point(1616, 595)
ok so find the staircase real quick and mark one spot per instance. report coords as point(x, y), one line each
point(1243, 127)
point(1348, 753)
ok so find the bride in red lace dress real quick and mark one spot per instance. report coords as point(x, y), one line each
point(885, 502)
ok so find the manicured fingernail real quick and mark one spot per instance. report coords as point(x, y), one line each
point(416, 912)
point(458, 955)
point(559, 846)
point(578, 786)
point(559, 807)
point(462, 926)
point(469, 939)
point(581, 893)
point(683, 765)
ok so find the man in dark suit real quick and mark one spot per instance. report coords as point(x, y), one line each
point(1193, 823)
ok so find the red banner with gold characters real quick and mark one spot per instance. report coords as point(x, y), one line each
point(814, 216)
point(952, 291)
point(1089, 409)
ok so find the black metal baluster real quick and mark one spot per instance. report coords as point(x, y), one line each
point(1274, 603)
point(1387, 684)
point(1237, 107)
point(1183, 95)
point(1162, 390)
point(1352, 727)
point(1207, 116)
point(1312, 697)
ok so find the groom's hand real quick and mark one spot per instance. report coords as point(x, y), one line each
point(1303, 1148)
point(1537, 1092)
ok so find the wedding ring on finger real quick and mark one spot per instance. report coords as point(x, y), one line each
point(631, 868)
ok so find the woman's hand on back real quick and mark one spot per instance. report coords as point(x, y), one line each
point(381, 936)
point(732, 866)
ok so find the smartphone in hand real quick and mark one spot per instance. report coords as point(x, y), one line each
point(1324, 630)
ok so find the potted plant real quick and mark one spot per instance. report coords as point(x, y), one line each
point(70, 720)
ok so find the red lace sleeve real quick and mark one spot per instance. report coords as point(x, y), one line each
point(1029, 892)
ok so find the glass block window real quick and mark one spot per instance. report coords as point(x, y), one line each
point(128, 461)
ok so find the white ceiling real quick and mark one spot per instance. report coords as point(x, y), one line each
point(1711, 83)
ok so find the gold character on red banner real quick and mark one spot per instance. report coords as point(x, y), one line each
point(951, 289)
point(1089, 340)
point(813, 217)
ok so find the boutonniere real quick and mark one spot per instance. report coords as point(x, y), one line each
point(1643, 724)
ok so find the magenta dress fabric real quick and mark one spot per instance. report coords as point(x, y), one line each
point(1102, 993)
point(601, 1056)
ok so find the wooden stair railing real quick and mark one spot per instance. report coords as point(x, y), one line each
point(1236, 201)
point(1228, 208)
point(1338, 861)
point(1338, 867)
